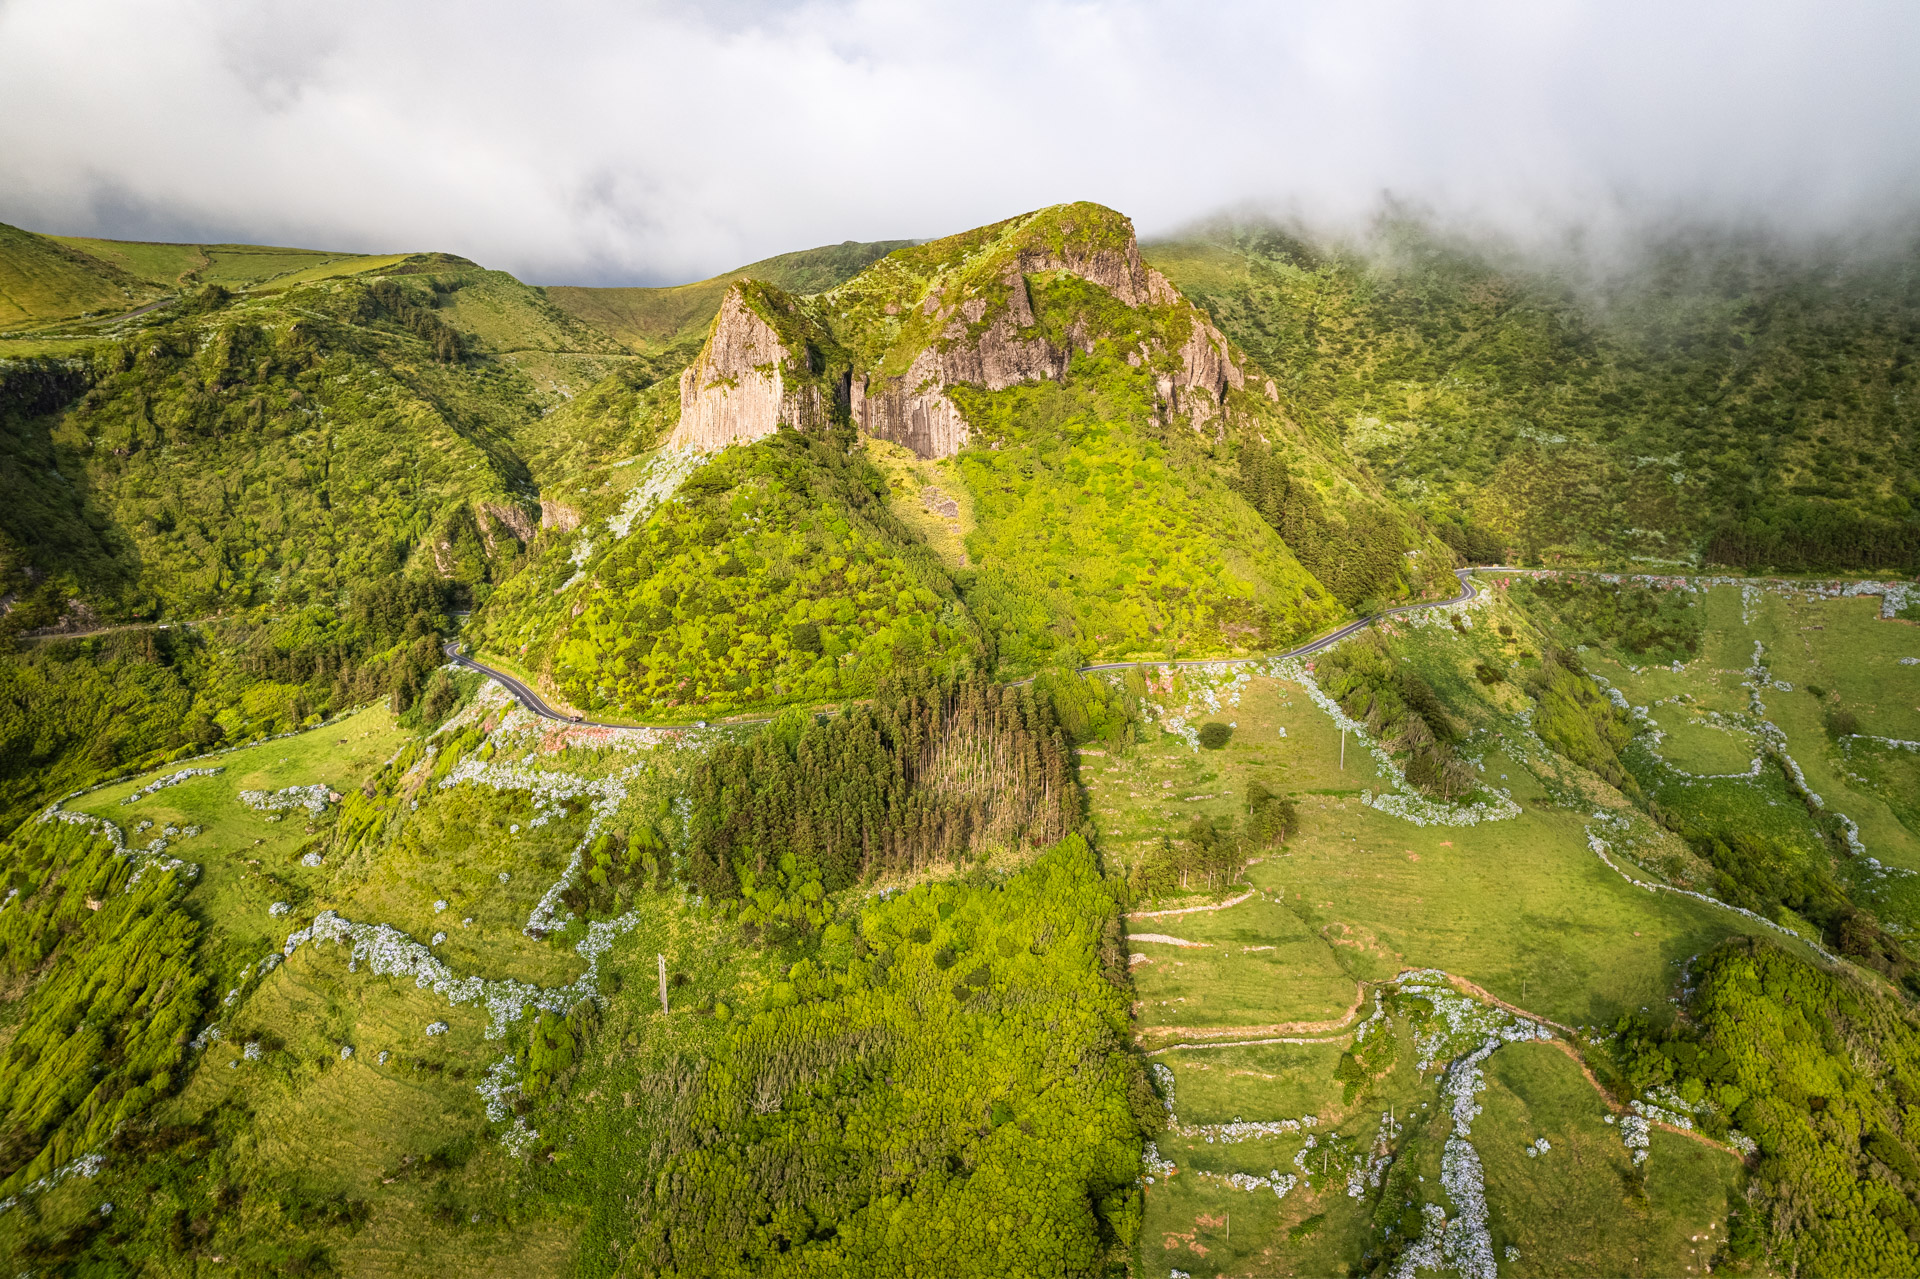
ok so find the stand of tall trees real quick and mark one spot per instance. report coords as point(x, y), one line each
point(1403, 710)
point(929, 770)
point(1358, 559)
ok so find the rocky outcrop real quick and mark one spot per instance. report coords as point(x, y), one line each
point(913, 409)
point(1207, 370)
point(558, 515)
point(742, 388)
point(1117, 270)
point(510, 517)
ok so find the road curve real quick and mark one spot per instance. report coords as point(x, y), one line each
point(532, 701)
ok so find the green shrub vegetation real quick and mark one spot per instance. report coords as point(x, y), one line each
point(1398, 705)
point(1824, 1073)
point(1721, 396)
point(1662, 626)
point(901, 1013)
point(936, 1090)
point(103, 1031)
point(73, 710)
point(775, 576)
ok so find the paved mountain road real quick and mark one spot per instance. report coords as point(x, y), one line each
point(532, 700)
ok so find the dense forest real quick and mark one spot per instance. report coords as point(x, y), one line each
point(927, 772)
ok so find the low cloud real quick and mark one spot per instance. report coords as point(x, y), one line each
point(610, 142)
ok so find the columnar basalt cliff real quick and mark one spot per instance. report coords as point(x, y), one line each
point(748, 381)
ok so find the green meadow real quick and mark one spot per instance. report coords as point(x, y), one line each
point(1576, 1208)
point(1521, 907)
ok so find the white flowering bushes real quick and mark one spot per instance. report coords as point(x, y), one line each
point(172, 779)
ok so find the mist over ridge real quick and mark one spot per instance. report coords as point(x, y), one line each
point(612, 145)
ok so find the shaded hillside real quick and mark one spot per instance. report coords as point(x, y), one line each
point(261, 454)
point(1725, 399)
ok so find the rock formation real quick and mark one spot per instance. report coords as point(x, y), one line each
point(912, 409)
point(743, 385)
point(559, 515)
point(1207, 370)
point(966, 320)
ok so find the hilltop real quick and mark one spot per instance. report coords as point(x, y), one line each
point(1028, 366)
point(659, 321)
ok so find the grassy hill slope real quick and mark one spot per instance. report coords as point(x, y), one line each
point(1724, 399)
point(42, 280)
point(654, 320)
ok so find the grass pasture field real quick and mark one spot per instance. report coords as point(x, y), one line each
point(393, 1133)
point(1823, 658)
point(249, 859)
point(1520, 907)
point(1703, 748)
point(1578, 1208)
point(1253, 964)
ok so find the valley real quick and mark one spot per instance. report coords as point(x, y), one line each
point(1018, 753)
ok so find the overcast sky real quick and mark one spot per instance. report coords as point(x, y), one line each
point(597, 141)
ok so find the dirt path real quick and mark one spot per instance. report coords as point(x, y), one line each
point(1249, 1043)
point(1481, 993)
point(1227, 1037)
point(1276, 1028)
point(1189, 910)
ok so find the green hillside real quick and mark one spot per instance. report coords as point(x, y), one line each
point(665, 319)
point(236, 266)
point(43, 280)
point(1725, 400)
point(1565, 929)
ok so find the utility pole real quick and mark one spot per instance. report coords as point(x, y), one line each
point(663, 982)
point(1343, 750)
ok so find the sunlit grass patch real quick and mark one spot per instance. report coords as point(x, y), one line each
point(1258, 965)
point(1579, 1207)
point(1703, 748)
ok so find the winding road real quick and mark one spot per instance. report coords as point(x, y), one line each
point(532, 700)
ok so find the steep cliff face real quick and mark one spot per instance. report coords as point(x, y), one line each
point(762, 367)
point(1207, 370)
point(965, 316)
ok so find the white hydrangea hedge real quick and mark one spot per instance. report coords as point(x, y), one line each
point(1406, 803)
point(551, 792)
point(1462, 1242)
point(1601, 849)
point(1224, 1134)
point(388, 952)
